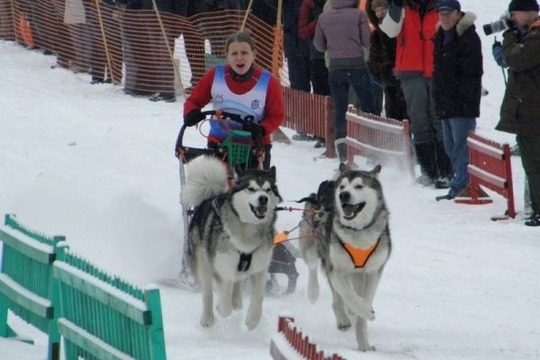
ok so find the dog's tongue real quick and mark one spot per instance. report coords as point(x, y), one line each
point(349, 209)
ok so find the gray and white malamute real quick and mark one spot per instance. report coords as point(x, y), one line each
point(345, 227)
point(230, 234)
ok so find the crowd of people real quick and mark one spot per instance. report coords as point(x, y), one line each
point(424, 55)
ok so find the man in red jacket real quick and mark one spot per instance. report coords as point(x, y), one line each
point(413, 23)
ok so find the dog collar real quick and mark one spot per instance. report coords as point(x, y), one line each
point(359, 257)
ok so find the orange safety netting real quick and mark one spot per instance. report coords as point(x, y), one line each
point(145, 51)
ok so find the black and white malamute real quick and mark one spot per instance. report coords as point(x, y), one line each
point(345, 228)
point(230, 234)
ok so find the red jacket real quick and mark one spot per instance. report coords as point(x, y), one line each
point(274, 108)
point(414, 52)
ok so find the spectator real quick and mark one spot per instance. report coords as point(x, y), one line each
point(520, 113)
point(342, 31)
point(296, 49)
point(239, 87)
point(105, 47)
point(413, 24)
point(307, 22)
point(318, 73)
point(382, 57)
point(498, 55)
point(457, 86)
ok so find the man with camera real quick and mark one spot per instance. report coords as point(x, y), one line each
point(520, 110)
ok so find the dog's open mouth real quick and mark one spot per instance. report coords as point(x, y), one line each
point(259, 211)
point(350, 211)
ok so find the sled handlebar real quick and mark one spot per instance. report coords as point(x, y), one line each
point(223, 115)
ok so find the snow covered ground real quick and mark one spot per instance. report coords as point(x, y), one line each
point(91, 163)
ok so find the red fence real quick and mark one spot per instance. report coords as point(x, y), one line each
point(298, 341)
point(490, 166)
point(311, 114)
point(379, 138)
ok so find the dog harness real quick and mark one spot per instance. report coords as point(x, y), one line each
point(359, 257)
point(245, 259)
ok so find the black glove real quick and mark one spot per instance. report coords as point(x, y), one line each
point(256, 130)
point(193, 117)
point(496, 44)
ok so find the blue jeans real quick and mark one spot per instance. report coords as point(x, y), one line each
point(455, 133)
point(339, 81)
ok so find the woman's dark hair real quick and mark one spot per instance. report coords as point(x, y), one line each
point(240, 36)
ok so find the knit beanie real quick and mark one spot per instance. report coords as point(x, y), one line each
point(379, 3)
point(523, 5)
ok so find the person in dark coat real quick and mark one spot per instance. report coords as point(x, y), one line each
point(520, 110)
point(343, 31)
point(296, 49)
point(457, 86)
point(382, 56)
point(307, 22)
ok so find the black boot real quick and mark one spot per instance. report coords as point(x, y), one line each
point(427, 159)
point(446, 173)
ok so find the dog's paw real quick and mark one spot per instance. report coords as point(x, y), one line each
point(365, 347)
point(224, 310)
point(207, 320)
point(252, 321)
point(344, 326)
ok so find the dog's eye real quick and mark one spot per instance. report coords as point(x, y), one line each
point(251, 189)
point(358, 187)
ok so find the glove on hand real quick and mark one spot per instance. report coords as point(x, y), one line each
point(256, 130)
point(193, 117)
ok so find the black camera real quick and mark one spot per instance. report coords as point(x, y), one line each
point(501, 24)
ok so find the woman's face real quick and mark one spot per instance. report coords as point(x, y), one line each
point(240, 56)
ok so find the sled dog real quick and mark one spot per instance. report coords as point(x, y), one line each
point(230, 235)
point(345, 228)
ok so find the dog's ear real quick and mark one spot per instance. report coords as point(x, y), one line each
point(325, 193)
point(376, 170)
point(238, 170)
point(343, 168)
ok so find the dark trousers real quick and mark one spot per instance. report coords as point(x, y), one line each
point(339, 81)
point(530, 158)
point(299, 73)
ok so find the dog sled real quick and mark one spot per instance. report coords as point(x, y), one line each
point(239, 150)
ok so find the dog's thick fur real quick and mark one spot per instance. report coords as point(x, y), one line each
point(231, 235)
point(348, 210)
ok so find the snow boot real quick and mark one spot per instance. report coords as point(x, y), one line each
point(427, 159)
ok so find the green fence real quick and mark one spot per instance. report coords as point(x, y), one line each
point(25, 280)
point(103, 317)
point(97, 316)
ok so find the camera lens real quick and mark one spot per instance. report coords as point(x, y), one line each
point(487, 29)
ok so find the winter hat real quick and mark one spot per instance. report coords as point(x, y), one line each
point(523, 5)
point(449, 5)
point(379, 3)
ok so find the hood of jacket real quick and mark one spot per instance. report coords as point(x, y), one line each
point(463, 24)
point(343, 4)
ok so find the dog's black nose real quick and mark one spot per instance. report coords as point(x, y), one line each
point(263, 200)
point(344, 196)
